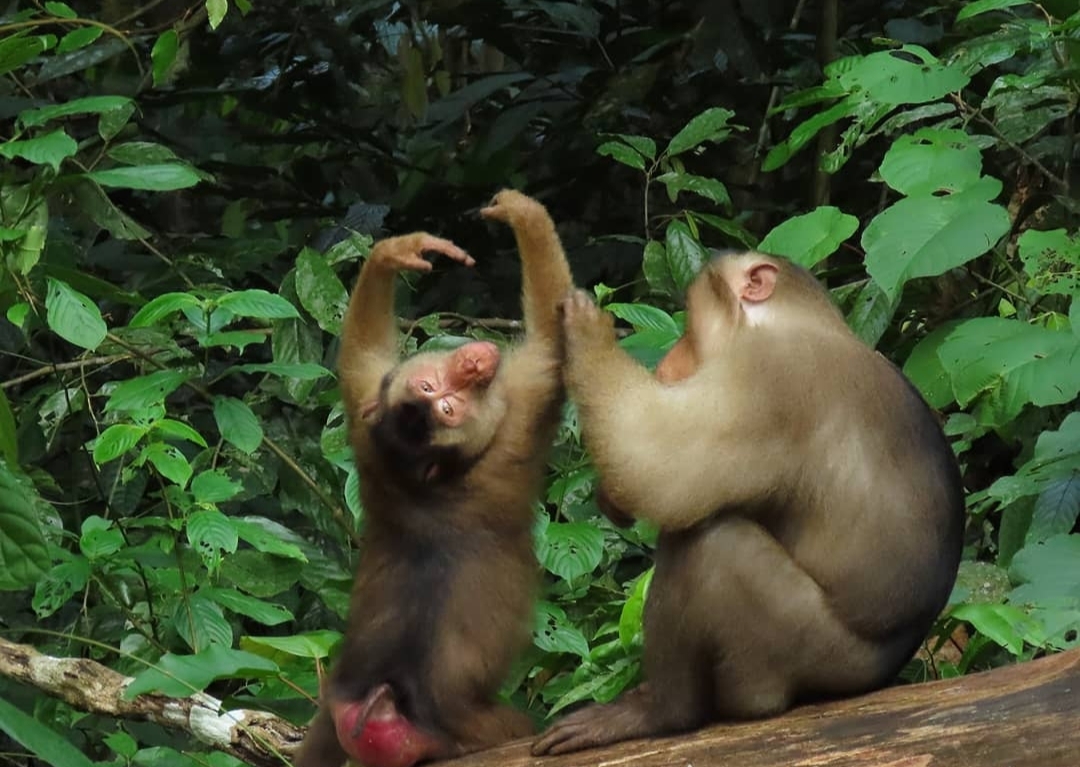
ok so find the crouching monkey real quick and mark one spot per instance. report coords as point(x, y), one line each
point(451, 448)
point(810, 509)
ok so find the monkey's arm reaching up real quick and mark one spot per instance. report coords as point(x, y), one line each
point(648, 438)
point(369, 334)
point(545, 274)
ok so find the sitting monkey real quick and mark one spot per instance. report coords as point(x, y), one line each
point(810, 509)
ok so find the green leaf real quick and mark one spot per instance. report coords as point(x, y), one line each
point(571, 549)
point(237, 424)
point(9, 443)
point(686, 256)
point(78, 38)
point(925, 369)
point(59, 585)
point(141, 153)
point(88, 105)
point(163, 55)
point(266, 613)
point(143, 392)
point(983, 6)
point(1052, 258)
point(112, 121)
point(927, 236)
point(630, 618)
point(868, 312)
point(620, 152)
point(215, 11)
point(320, 291)
point(645, 317)
point(45, 743)
point(61, 10)
point(18, 49)
point(1013, 363)
point(552, 631)
point(657, 272)
point(214, 487)
point(932, 161)
point(1056, 509)
point(257, 303)
point(312, 644)
point(908, 75)
point(804, 133)
point(710, 125)
point(709, 188)
point(169, 462)
point(73, 316)
point(641, 144)
point(50, 149)
point(117, 440)
point(92, 201)
point(811, 237)
point(163, 177)
point(201, 623)
point(304, 371)
point(1056, 458)
point(178, 676)
point(23, 553)
point(167, 428)
point(265, 535)
point(210, 532)
point(1047, 572)
point(995, 621)
point(99, 539)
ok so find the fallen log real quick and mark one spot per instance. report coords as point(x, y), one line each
point(1024, 715)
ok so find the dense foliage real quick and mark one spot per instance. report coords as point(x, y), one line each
point(187, 193)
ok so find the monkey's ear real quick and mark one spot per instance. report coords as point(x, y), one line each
point(760, 282)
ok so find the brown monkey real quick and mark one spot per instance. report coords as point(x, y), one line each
point(451, 450)
point(810, 509)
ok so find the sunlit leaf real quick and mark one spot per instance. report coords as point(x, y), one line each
point(811, 237)
point(163, 177)
point(73, 316)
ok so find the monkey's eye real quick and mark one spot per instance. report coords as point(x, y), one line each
point(447, 408)
point(426, 387)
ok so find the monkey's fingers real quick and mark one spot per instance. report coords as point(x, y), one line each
point(430, 244)
point(505, 204)
point(566, 736)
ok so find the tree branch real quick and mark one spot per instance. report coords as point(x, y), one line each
point(255, 737)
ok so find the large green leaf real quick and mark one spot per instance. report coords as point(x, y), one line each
point(1055, 460)
point(645, 317)
point(1011, 362)
point(50, 149)
point(210, 533)
point(48, 745)
point(710, 125)
point(320, 291)
point(18, 49)
point(571, 549)
point(1052, 258)
point(622, 153)
point(983, 6)
point(811, 237)
point(553, 632)
point(310, 644)
point(266, 613)
point(73, 316)
point(927, 236)
point(163, 177)
point(145, 391)
point(1047, 572)
point(908, 75)
point(24, 557)
point(685, 255)
point(932, 161)
point(237, 424)
point(258, 303)
point(179, 676)
point(9, 443)
point(88, 105)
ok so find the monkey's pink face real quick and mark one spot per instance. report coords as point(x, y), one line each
point(452, 383)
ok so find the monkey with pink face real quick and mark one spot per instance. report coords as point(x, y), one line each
point(811, 512)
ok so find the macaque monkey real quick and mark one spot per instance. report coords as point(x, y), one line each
point(451, 448)
point(810, 510)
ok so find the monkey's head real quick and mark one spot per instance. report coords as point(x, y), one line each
point(739, 290)
point(439, 411)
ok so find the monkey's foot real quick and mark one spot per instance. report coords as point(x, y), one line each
point(511, 206)
point(594, 726)
point(405, 253)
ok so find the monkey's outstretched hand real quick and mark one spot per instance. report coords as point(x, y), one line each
point(596, 725)
point(511, 206)
point(587, 326)
point(405, 253)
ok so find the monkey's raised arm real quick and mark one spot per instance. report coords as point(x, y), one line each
point(655, 446)
point(545, 274)
point(369, 347)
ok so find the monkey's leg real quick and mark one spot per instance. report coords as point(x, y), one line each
point(772, 633)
